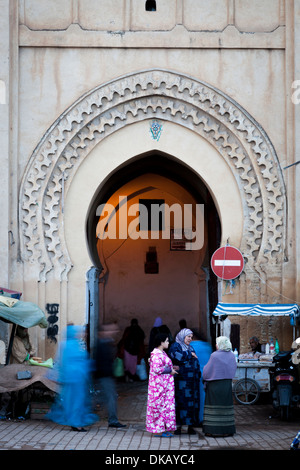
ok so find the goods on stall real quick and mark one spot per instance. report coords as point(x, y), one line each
point(37, 359)
point(255, 357)
point(266, 357)
point(249, 356)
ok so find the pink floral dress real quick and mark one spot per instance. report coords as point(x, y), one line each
point(161, 394)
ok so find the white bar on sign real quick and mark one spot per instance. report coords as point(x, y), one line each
point(227, 262)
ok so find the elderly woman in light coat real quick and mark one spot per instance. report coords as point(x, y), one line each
point(217, 375)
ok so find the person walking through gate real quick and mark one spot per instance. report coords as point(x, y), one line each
point(105, 382)
point(73, 406)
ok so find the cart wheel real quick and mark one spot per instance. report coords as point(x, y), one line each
point(246, 391)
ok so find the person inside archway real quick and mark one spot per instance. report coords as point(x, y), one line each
point(158, 327)
point(132, 348)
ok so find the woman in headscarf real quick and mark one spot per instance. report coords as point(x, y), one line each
point(73, 406)
point(218, 420)
point(187, 397)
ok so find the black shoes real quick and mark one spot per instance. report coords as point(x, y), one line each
point(191, 430)
point(78, 429)
point(117, 425)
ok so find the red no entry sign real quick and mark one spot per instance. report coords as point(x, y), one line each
point(227, 262)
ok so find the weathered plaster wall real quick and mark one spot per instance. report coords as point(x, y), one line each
point(55, 52)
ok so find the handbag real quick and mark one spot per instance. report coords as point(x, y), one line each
point(118, 367)
point(141, 370)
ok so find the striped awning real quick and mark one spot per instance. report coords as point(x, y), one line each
point(257, 309)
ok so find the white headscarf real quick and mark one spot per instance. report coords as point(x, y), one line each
point(180, 338)
point(223, 343)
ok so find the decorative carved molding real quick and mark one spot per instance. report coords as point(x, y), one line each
point(167, 96)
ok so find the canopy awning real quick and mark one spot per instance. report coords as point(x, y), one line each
point(257, 309)
point(26, 314)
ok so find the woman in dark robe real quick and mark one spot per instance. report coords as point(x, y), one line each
point(218, 420)
point(187, 396)
point(131, 348)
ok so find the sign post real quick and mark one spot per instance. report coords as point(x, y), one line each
point(227, 262)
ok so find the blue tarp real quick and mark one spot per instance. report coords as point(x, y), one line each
point(26, 314)
point(257, 309)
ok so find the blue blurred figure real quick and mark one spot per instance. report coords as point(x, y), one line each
point(73, 405)
point(295, 443)
point(203, 351)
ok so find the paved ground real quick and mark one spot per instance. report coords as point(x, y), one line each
point(256, 430)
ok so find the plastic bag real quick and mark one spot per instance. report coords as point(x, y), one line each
point(118, 367)
point(141, 370)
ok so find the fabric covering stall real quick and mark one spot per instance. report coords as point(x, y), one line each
point(257, 309)
point(9, 381)
point(26, 314)
point(290, 310)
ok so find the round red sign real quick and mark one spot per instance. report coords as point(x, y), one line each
point(227, 262)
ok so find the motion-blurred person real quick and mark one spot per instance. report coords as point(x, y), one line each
point(105, 382)
point(73, 406)
point(203, 350)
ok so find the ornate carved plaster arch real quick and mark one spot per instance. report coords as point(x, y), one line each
point(163, 95)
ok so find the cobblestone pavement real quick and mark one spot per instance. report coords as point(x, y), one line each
point(255, 426)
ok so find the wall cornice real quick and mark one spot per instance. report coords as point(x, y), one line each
point(179, 37)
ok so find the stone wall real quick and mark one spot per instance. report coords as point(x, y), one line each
point(236, 61)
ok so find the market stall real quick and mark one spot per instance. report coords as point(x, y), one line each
point(254, 370)
point(22, 382)
point(18, 312)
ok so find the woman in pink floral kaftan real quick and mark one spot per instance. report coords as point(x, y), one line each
point(161, 416)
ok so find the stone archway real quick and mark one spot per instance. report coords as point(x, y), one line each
point(173, 98)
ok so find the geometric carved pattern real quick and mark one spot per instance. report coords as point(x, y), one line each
point(167, 96)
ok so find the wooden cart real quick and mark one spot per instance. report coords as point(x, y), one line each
point(251, 379)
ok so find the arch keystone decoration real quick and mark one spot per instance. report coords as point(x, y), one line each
point(166, 96)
